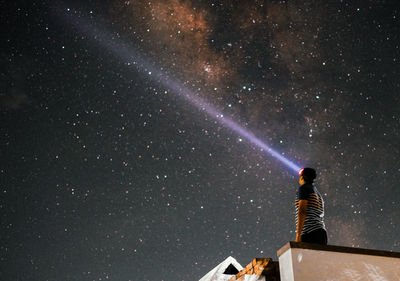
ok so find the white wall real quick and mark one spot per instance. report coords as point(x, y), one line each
point(297, 264)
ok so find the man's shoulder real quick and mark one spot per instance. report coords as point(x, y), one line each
point(305, 190)
point(306, 187)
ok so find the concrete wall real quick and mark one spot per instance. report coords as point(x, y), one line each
point(307, 262)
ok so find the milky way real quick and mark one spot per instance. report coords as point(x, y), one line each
point(108, 173)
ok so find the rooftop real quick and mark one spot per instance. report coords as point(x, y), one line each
point(313, 262)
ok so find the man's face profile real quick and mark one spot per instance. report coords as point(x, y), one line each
point(301, 180)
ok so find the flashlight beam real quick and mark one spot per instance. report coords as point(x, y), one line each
point(119, 49)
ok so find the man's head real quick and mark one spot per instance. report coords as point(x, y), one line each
point(307, 175)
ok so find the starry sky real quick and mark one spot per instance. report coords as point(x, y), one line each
point(108, 173)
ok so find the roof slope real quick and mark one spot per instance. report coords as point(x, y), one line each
point(217, 273)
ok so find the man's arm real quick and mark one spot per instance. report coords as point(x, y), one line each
point(301, 218)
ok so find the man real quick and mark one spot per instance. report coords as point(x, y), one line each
point(309, 210)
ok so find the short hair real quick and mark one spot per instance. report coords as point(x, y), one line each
point(309, 174)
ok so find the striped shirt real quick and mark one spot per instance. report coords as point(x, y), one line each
point(315, 208)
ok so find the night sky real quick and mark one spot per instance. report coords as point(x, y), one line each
point(107, 172)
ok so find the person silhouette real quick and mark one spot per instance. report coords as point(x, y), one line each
point(309, 210)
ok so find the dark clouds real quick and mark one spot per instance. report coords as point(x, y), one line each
point(15, 84)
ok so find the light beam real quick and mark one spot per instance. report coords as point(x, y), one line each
point(121, 50)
